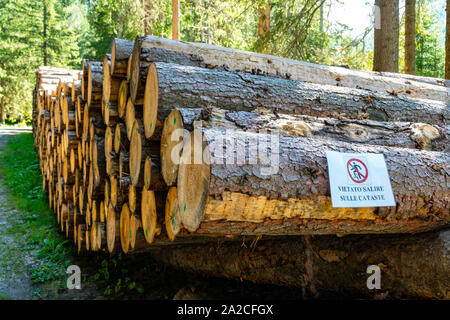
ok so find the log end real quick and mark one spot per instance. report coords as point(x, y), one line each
point(151, 101)
point(148, 214)
point(171, 138)
point(172, 214)
point(193, 182)
point(125, 228)
point(135, 154)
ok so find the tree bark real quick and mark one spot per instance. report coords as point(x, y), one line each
point(141, 59)
point(120, 52)
point(291, 188)
point(187, 87)
point(230, 59)
point(2, 111)
point(95, 83)
point(176, 19)
point(447, 44)
point(263, 23)
point(387, 37)
point(410, 36)
point(412, 266)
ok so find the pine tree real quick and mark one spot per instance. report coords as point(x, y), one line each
point(387, 37)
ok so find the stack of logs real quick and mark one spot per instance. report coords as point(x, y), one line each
point(108, 138)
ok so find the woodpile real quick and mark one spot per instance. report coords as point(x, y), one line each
point(108, 138)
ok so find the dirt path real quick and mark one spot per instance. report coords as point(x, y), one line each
point(15, 282)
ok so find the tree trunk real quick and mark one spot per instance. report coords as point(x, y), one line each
point(147, 10)
point(230, 59)
point(412, 266)
point(263, 23)
point(275, 194)
point(176, 19)
point(44, 21)
point(2, 111)
point(387, 37)
point(177, 86)
point(447, 44)
point(410, 37)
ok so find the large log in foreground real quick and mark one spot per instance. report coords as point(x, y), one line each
point(411, 265)
point(289, 194)
point(170, 85)
point(180, 121)
point(232, 59)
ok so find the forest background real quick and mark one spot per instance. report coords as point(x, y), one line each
point(63, 32)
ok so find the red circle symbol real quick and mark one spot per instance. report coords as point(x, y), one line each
point(357, 170)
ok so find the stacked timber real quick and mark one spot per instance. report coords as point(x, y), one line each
point(138, 151)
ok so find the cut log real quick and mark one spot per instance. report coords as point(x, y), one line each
point(112, 230)
point(112, 164)
point(111, 115)
point(119, 192)
point(238, 60)
point(329, 264)
point(95, 83)
point(98, 236)
point(124, 167)
point(288, 192)
point(173, 86)
point(83, 243)
point(148, 214)
point(153, 179)
point(141, 59)
point(121, 141)
point(98, 160)
point(172, 135)
point(109, 140)
point(172, 214)
point(140, 149)
point(120, 52)
point(134, 198)
point(396, 134)
point(122, 99)
point(111, 84)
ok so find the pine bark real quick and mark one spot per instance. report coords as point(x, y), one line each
point(237, 60)
point(191, 87)
point(387, 37)
point(447, 44)
point(292, 188)
point(410, 36)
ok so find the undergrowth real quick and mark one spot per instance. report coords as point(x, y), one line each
point(19, 166)
point(21, 174)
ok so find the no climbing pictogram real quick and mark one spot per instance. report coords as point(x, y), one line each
point(357, 170)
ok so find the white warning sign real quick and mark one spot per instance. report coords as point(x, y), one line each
point(359, 180)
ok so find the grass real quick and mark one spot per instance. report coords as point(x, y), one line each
point(20, 168)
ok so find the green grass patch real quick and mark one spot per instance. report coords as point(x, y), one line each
point(20, 168)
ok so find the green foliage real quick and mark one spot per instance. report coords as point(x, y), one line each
point(113, 18)
point(20, 167)
point(300, 29)
point(430, 51)
point(114, 274)
point(25, 44)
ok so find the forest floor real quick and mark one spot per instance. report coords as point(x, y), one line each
point(34, 255)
